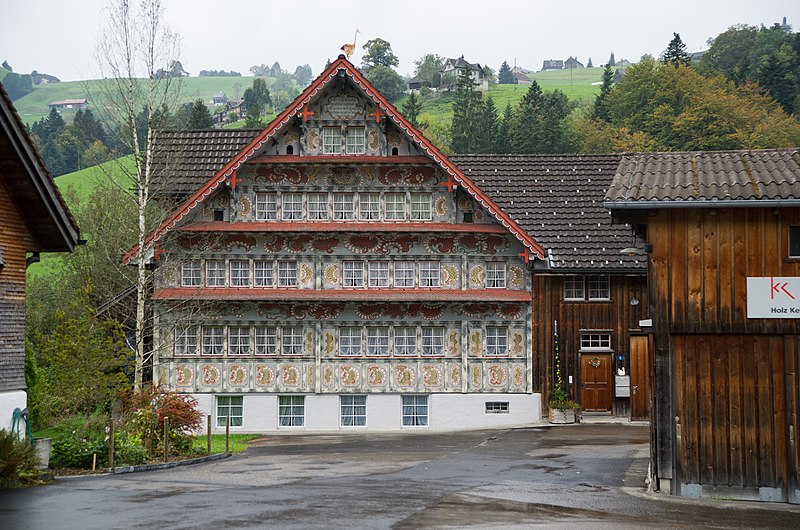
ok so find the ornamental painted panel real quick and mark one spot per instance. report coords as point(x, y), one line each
point(245, 206)
point(454, 376)
point(332, 276)
point(291, 375)
point(377, 376)
point(327, 376)
point(476, 343)
point(432, 376)
point(349, 376)
point(265, 375)
point(517, 343)
point(238, 375)
point(518, 379)
point(516, 277)
point(453, 342)
point(475, 372)
point(441, 206)
point(450, 275)
point(212, 375)
point(476, 276)
point(169, 276)
point(405, 376)
point(328, 342)
point(305, 276)
point(184, 375)
point(496, 376)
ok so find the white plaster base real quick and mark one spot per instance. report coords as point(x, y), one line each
point(446, 412)
point(9, 401)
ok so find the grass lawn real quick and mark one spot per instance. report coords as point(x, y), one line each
point(238, 443)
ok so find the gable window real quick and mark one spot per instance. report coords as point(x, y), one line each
point(292, 340)
point(378, 340)
point(266, 206)
point(291, 411)
point(190, 274)
point(266, 340)
point(318, 206)
point(287, 274)
point(794, 241)
point(369, 206)
point(404, 274)
point(429, 274)
point(263, 275)
point(213, 340)
point(240, 273)
point(349, 341)
point(415, 411)
point(496, 340)
point(432, 341)
point(420, 206)
point(579, 288)
point(215, 273)
point(292, 206)
point(405, 341)
point(239, 340)
point(342, 206)
point(353, 411)
point(495, 274)
point(355, 141)
point(353, 274)
point(573, 288)
point(186, 341)
point(229, 407)
point(331, 140)
point(596, 342)
point(599, 288)
point(395, 206)
point(378, 273)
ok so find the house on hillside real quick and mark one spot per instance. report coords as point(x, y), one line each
point(520, 70)
point(521, 79)
point(415, 84)
point(454, 67)
point(552, 64)
point(34, 219)
point(573, 62)
point(335, 271)
point(81, 103)
point(721, 233)
point(219, 99)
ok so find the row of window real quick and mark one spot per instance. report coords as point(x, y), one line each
point(578, 288)
point(323, 206)
point(352, 410)
point(377, 274)
point(354, 341)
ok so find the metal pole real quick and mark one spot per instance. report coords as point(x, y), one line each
point(208, 432)
point(166, 438)
point(111, 444)
point(228, 433)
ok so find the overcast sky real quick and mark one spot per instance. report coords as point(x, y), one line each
point(59, 38)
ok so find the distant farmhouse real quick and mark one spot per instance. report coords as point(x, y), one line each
point(573, 62)
point(453, 67)
point(553, 64)
point(415, 84)
point(521, 79)
point(69, 104)
point(520, 70)
point(219, 98)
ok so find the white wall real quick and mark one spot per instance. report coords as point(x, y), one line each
point(8, 402)
point(446, 412)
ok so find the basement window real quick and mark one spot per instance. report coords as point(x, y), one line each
point(794, 241)
point(497, 407)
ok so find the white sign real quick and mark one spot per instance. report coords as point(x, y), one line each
point(773, 297)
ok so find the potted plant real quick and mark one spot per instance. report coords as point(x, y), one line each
point(562, 408)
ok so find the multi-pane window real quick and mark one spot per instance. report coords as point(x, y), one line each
point(291, 411)
point(395, 206)
point(429, 274)
point(190, 274)
point(240, 273)
point(599, 288)
point(495, 274)
point(496, 340)
point(215, 273)
point(331, 140)
point(405, 341)
point(415, 411)
point(353, 274)
point(355, 141)
point(432, 341)
point(186, 341)
point(213, 340)
point(794, 241)
point(378, 340)
point(349, 341)
point(239, 340)
point(292, 340)
point(263, 275)
point(596, 342)
point(353, 411)
point(420, 206)
point(292, 206)
point(287, 274)
point(369, 206)
point(573, 288)
point(342, 206)
point(318, 206)
point(378, 273)
point(266, 206)
point(496, 407)
point(229, 407)
point(266, 340)
point(404, 274)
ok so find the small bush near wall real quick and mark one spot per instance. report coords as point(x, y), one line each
point(17, 460)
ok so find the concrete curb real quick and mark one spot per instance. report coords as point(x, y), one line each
point(168, 465)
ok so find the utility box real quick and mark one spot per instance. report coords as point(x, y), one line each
point(623, 386)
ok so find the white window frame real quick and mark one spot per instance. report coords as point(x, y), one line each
point(318, 207)
point(432, 341)
point(404, 273)
point(350, 341)
point(595, 342)
point(239, 342)
point(263, 273)
point(378, 274)
point(496, 340)
point(191, 273)
point(421, 208)
point(378, 341)
point(495, 275)
point(496, 407)
point(356, 141)
point(353, 410)
point(415, 410)
point(394, 206)
point(291, 411)
point(186, 341)
point(352, 274)
point(287, 273)
point(215, 273)
point(331, 140)
point(213, 341)
point(369, 206)
point(429, 274)
point(230, 406)
point(239, 272)
point(292, 340)
point(574, 288)
point(266, 340)
point(599, 287)
point(291, 206)
point(266, 206)
point(343, 207)
point(405, 341)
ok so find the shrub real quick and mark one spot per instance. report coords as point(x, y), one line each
point(129, 448)
point(77, 438)
point(17, 460)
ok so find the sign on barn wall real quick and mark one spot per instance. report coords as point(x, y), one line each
point(773, 297)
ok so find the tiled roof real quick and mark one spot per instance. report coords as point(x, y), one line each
point(738, 178)
point(339, 226)
point(558, 200)
point(192, 157)
point(343, 295)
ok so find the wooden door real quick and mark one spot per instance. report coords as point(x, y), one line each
point(596, 377)
point(640, 378)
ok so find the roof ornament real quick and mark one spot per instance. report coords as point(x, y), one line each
point(349, 48)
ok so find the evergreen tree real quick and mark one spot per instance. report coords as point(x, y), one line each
point(412, 108)
point(525, 132)
point(600, 111)
point(487, 128)
point(501, 139)
point(675, 54)
point(589, 63)
point(276, 70)
point(505, 77)
point(556, 135)
point(611, 61)
point(467, 110)
point(779, 73)
point(256, 101)
point(199, 116)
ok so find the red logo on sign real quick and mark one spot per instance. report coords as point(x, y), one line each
point(777, 287)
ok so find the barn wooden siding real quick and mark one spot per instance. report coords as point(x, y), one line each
point(15, 241)
point(730, 382)
point(615, 316)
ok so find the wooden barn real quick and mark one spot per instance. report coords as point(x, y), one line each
point(33, 219)
point(722, 235)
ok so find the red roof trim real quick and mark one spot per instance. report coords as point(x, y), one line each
point(341, 159)
point(350, 226)
point(302, 100)
point(342, 295)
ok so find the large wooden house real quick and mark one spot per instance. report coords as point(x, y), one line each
point(33, 219)
point(339, 272)
point(722, 232)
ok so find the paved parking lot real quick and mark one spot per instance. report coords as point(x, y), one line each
point(583, 475)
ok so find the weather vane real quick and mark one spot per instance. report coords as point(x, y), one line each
point(349, 48)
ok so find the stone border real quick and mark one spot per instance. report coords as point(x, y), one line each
point(168, 465)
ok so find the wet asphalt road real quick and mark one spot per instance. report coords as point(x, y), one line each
point(588, 476)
